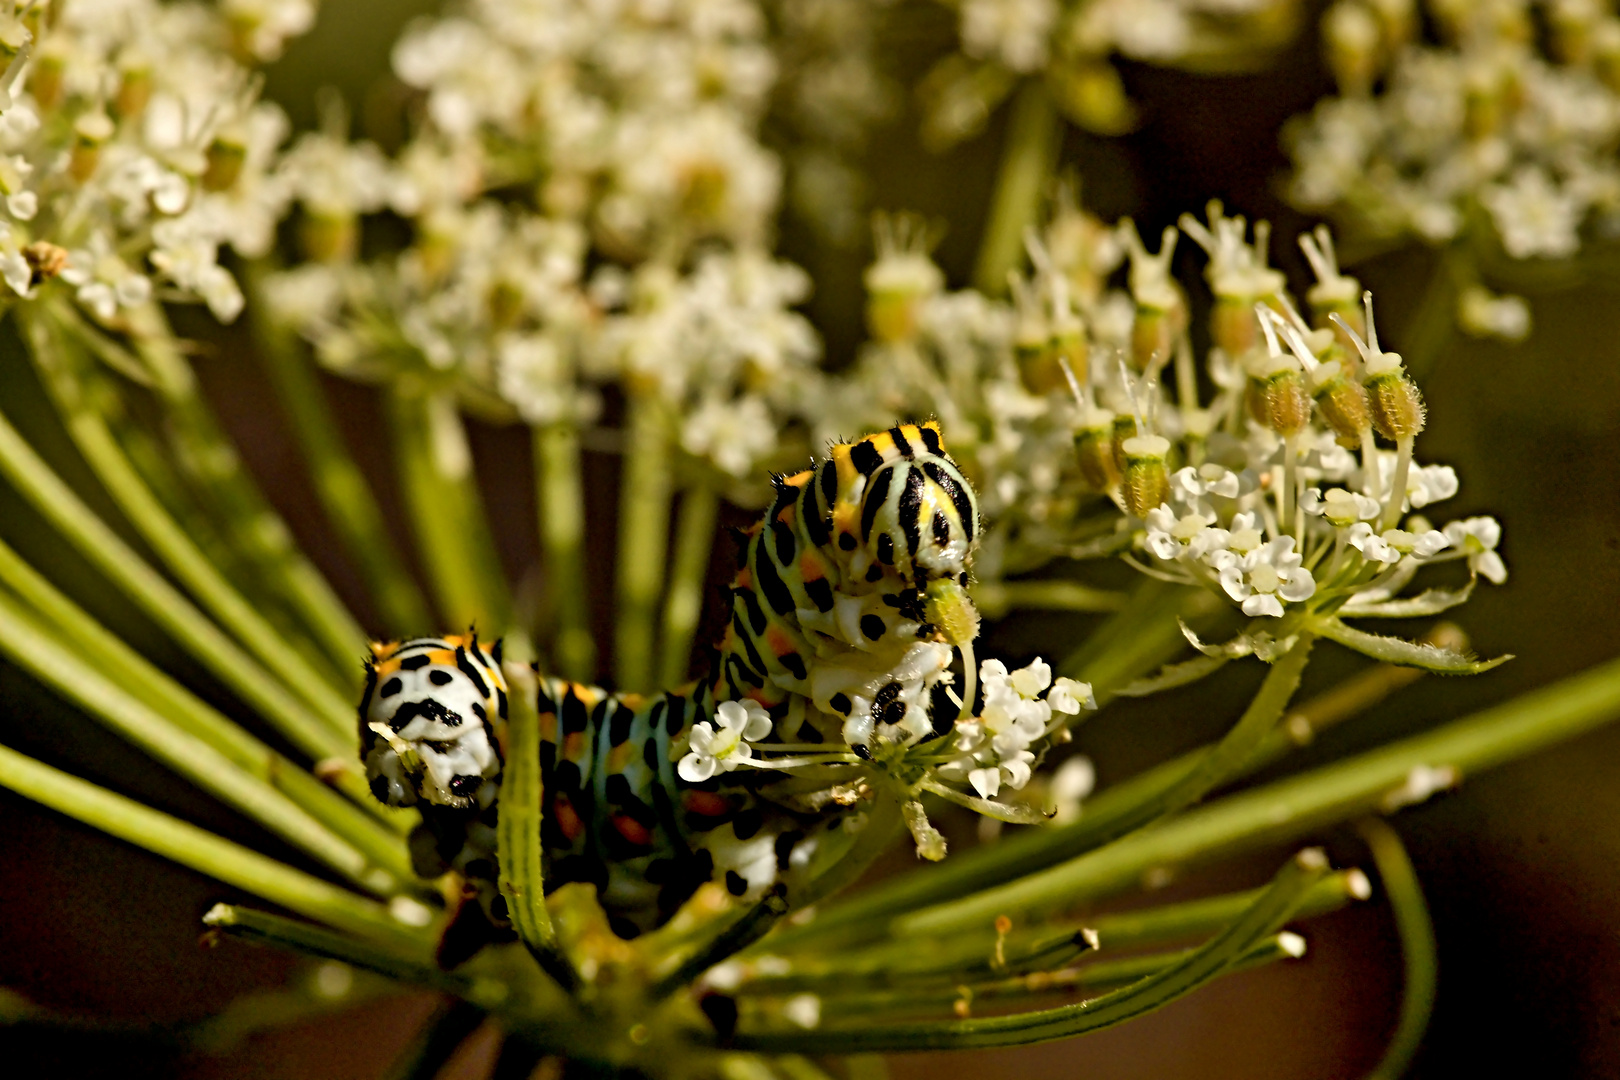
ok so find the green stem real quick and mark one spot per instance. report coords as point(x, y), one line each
point(968, 955)
point(517, 831)
point(342, 488)
point(254, 527)
point(1265, 917)
point(694, 540)
point(176, 550)
point(561, 504)
point(1285, 810)
point(1093, 975)
point(32, 646)
point(644, 498)
point(1416, 930)
point(742, 932)
point(405, 965)
point(354, 818)
point(206, 853)
point(92, 538)
point(1034, 135)
point(996, 598)
point(446, 511)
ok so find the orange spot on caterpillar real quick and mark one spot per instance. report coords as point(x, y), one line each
point(632, 830)
point(562, 809)
point(706, 803)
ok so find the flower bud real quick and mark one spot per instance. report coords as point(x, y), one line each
point(1147, 473)
point(90, 132)
point(1342, 403)
point(1232, 325)
point(134, 90)
point(45, 79)
point(1397, 405)
point(329, 237)
point(1276, 394)
point(900, 279)
point(1124, 428)
point(1354, 47)
point(226, 155)
point(1606, 54)
point(1572, 36)
point(1153, 335)
point(1094, 447)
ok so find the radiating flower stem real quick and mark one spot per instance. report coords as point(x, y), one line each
point(384, 958)
point(1263, 918)
point(434, 465)
point(437, 1041)
point(345, 495)
point(354, 818)
point(314, 734)
point(996, 598)
point(27, 643)
point(1287, 809)
point(683, 607)
point(1034, 134)
point(644, 503)
point(561, 504)
point(251, 523)
point(165, 537)
point(1416, 931)
point(206, 853)
point(736, 936)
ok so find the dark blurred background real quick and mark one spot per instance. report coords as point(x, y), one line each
point(1521, 866)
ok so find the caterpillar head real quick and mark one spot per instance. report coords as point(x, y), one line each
point(431, 721)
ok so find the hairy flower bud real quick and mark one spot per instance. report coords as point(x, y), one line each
point(1147, 473)
point(1397, 404)
point(1094, 448)
point(1343, 403)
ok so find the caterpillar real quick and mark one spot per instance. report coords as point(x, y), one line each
point(848, 608)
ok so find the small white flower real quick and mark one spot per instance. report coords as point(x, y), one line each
point(717, 749)
point(1427, 484)
point(1262, 578)
point(1339, 506)
point(1191, 536)
point(1030, 680)
point(1069, 697)
point(986, 781)
point(1478, 537)
point(1372, 546)
point(1533, 216)
point(1071, 782)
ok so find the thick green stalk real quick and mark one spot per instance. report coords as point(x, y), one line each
point(206, 853)
point(314, 735)
point(1416, 930)
point(31, 645)
point(644, 498)
point(736, 936)
point(341, 486)
point(694, 540)
point(1287, 809)
point(251, 523)
point(446, 510)
point(107, 653)
point(517, 831)
point(561, 504)
point(1034, 134)
point(1265, 917)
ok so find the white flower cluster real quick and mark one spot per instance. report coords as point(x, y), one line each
point(1072, 46)
point(993, 748)
point(133, 147)
point(1286, 496)
point(1494, 125)
point(641, 259)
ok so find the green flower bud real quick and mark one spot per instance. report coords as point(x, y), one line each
point(91, 131)
point(1343, 403)
point(1147, 473)
point(1094, 447)
point(1397, 405)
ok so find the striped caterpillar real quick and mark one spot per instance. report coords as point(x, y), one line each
point(848, 607)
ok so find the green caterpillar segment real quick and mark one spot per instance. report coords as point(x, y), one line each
point(847, 609)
